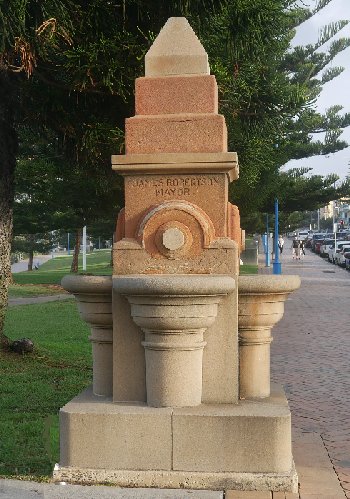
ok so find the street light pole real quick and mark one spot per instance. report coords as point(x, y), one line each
point(84, 247)
point(276, 264)
point(267, 256)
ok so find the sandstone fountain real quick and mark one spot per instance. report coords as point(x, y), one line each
point(181, 394)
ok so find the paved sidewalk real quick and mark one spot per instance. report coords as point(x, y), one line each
point(310, 355)
point(311, 358)
point(39, 299)
point(22, 266)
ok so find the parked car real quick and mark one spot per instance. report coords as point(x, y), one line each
point(325, 245)
point(316, 237)
point(334, 250)
point(340, 257)
point(317, 247)
point(308, 241)
point(347, 260)
point(302, 235)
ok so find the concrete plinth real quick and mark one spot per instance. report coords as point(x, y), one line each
point(245, 446)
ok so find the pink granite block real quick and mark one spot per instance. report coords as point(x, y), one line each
point(175, 133)
point(176, 94)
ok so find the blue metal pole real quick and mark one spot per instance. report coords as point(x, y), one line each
point(276, 264)
point(267, 256)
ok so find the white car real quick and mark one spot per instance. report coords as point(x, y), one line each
point(325, 247)
point(340, 257)
point(333, 251)
point(302, 235)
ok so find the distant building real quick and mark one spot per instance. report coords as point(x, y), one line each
point(343, 214)
point(340, 209)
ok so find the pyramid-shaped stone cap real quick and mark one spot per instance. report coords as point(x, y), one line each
point(176, 51)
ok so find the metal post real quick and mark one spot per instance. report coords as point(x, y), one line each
point(68, 245)
point(84, 247)
point(276, 264)
point(267, 256)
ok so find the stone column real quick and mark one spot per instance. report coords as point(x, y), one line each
point(254, 360)
point(94, 297)
point(260, 306)
point(102, 354)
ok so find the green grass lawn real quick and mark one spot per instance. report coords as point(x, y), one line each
point(248, 269)
point(35, 283)
point(32, 290)
point(35, 386)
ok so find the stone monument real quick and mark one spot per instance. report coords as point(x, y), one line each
point(181, 394)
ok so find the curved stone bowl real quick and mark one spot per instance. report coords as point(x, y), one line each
point(174, 311)
point(260, 306)
point(262, 297)
point(94, 297)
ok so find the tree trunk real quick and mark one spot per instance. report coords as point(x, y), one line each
point(31, 239)
point(30, 260)
point(8, 150)
point(75, 264)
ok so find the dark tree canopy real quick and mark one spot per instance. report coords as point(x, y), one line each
point(67, 72)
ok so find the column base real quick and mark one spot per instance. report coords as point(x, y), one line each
point(286, 482)
point(244, 447)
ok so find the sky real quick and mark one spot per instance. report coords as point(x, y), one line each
point(334, 92)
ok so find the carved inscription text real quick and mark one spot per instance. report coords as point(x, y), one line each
point(174, 186)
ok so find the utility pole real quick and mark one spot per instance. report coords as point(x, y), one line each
point(276, 264)
point(84, 247)
point(267, 256)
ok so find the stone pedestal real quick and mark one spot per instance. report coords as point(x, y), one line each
point(175, 415)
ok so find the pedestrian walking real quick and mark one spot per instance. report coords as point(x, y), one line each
point(295, 248)
point(280, 244)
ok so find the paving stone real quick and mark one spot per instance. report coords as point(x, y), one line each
point(238, 494)
point(284, 495)
point(321, 496)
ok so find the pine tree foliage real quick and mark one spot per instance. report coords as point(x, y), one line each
point(269, 90)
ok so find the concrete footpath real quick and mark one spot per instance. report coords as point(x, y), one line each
point(311, 358)
point(39, 299)
point(22, 266)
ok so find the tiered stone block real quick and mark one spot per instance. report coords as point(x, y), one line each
point(175, 133)
point(176, 102)
point(194, 94)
